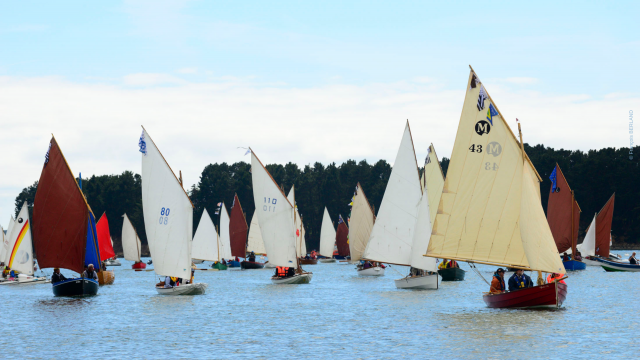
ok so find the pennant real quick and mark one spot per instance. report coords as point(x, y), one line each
point(217, 212)
point(46, 156)
point(491, 112)
point(220, 204)
point(248, 151)
point(554, 180)
point(234, 202)
point(297, 232)
point(474, 82)
point(143, 144)
point(340, 221)
point(428, 159)
point(481, 98)
point(351, 203)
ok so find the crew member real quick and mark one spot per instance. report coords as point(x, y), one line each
point(497, 283)
point(519, 280)
point(553, 277)
point(57, 277)
point(89, 273)
point(252, 257)
point(632, 259)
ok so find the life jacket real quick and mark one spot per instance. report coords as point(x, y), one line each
point(550, 278)
point(282, 271)
point(452, 264)
point(520, 281)
point(173, 281)
point(501, 281)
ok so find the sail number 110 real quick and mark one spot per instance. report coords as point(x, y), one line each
point(269, 204)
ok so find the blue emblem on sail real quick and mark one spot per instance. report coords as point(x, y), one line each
point(142, 144)
point(340, 221)
point(554, 180)
point(491, 113)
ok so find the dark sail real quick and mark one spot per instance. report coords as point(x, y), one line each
point(342, 241)
point(603, 228)
point(560, 214)
point(238, 230)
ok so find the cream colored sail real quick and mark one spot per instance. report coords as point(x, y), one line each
point(130, 241)
point(391, 238)
point(434, 181)
point(225, 234)
point(275, 216)
point(327, 235)
point(19, 255)
point(301, 245)
point(490, 210)
point(4, 247)
point(360, 224)
point(255, 242)
point(588, 246)
point(205, 241)
point(168, 214)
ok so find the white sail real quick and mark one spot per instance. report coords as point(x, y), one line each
point(4, 247)
point(168, 214)
point(4, 243)
point(19, 255)
point(225, 234)
point(130, 241)
point(588, 246)
point(327, 235)
point(301, 244)
point(254, 242)
point(392, 236)
point(275, 215)
point(205, 241)
point(360, 224)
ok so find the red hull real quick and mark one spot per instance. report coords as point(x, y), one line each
point(139, 266)
point(543, 296)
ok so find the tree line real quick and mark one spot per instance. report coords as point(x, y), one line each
point(593, 175)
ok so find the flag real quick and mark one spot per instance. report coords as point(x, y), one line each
point(219, 204)
point(351, 203)
point(46, 156)
point(297, 232)
point(248, 151)
point(428, 159)
point(340, 221)
point(491, 112)
point(481, 98)
point(474, 82)
point(234, 202)
point(217, 212)
point(142, 144)
point(554, 180)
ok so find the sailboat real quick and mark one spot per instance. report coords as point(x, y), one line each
point(597, 242)
point(206, 242)
point(563, 215)
point(327, 238)
point(341, 252)
point(168, 220)
point(490, 211)
point(277, 218)
point(361, 223)
point(105, 277)
point(393, 237)
point(255, 244)
point(225, 238)
point(301, 243)
point(131, 245)
point(64, 235)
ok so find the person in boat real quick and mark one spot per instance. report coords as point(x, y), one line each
point(519, 280)
point(224, 262)
point(565, 257)
point(632, 259)
point(252, 257)
point(103, 266)
point(6, 272)
point(578, 256)
point(90, 273)
point(57, 276)
point(416, 272)
point(497, 283)
point(554, 276)
point(366, 265)
point(169, 282)
point(452, 264)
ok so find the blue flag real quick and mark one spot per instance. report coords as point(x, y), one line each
point(143, 144)
point(554, 180)
point(491, 113)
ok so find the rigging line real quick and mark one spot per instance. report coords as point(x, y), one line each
point(394, 269)
point(475, 270)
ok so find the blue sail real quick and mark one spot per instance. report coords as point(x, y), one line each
point(92, 251)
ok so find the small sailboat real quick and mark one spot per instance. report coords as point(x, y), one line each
point(255, 244)
point(206, 242)
point(301, 243)
point(168, 220)
point(341, 251)
point(131, 244)
point(64, 235)
point(277, 218)
point(327, 238)
point(597, 242)
point(225, 238)
point(105, 277)
point(490, 211)
point(361, 223)
point(563, 215)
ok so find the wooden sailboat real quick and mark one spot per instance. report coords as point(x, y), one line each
point(65, 232)
point(225, 238)
point(255, 244)
point(341, 251)
point(327, 238)
point(105, 277)
point(301, 243)
point(490, 210)
point(168, 220)
point(206, 242)
point(563, 215)
point(131, 245)
point(360, 225)
point(277, 219)
point(597, 242)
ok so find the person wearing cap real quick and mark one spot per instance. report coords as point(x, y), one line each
point(497, 283)
point(519, 280)
point(57, 277)
point(90, 273)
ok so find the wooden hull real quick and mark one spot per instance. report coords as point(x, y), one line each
point(233, 263)
point(427, 282)
point(185, 289)
point(372, 271)
point(219, 266)
point(139, 266)
point(612, 266)
point(106, 277)
point(452, 274)
point(308, 261)
point(246, 265)
point(296, 279)
point(327, 261)
point(543, 296)
point(75, 287)
point(574, 265)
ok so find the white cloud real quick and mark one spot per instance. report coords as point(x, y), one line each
point(150, 79)
point(188, 70)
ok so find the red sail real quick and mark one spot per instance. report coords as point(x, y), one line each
point(60, 216)
point(559, 214)
point(238, 230)
point(342, 239)
point(104, 238)
point(603, 228)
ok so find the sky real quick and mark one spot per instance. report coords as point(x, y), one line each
point(300, 82)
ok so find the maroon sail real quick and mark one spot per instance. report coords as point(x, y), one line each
point(342, 238)
point(603, 228)
point(560, 216)
point(60, 215)
point(238, 229)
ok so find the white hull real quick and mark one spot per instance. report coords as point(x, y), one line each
point(296, 279)
point(373, 271)
point(185, 289)
point(591, 262)
point(29, 280)
point(196, 261)
point(326, 261)
point(112, 263)
point(269, 265)
point(427, 282)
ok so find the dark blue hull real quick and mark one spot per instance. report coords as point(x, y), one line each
point(233, 263)
point(75, 287)
point(573, 265)
point(338, 257)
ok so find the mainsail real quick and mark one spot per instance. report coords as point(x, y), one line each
point(490, 209)
point(255, 242)
point(603, 228)
point(130, 240)
point(392, 235)
point(238, 229)
point(342, 238)
point(4, 247)
point(360, 224)
point(205, 241)
point(104, 238)
point(168, 213)
point(20, 248)
point(225, 237)
point(276, 216)
point(301, 244)
point(327, 235)
point(562, 212)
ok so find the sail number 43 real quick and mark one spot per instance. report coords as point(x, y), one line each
point(164, 216)
point(269, 204)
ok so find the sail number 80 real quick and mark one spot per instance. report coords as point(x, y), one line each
point(269, 204)
point(164, 216)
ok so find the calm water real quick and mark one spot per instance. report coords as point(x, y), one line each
point(338, 315)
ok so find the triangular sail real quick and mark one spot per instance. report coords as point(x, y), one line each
point(327, 235)
point(168, 214)
point(104, 238)
point(360, 224)
point(588, 246)
point(238, 229)
point(255, 242)
point(301, 245)
point(4, 246)
point(342, 238)
point(560, 214)
point(205, 241)
point(19, 256)
point(434, 181)
point(603, 228)
point(130, 241)
point(275, 215)
point(225, 237)
point(392, 236)
point(490, 209)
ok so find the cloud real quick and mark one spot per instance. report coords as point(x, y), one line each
point(188, 70)
point(150, 79)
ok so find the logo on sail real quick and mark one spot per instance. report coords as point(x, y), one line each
point(142, 144)
point(481, 98)
point(493, 148)
point(482, 127)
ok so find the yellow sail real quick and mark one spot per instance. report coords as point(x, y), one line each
point(360, 224)
point(490, 210)
point(434, 180)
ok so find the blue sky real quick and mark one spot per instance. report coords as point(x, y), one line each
point(300, 81)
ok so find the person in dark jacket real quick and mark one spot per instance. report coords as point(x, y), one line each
point(519, 280)
point(90, 273)
point(57, 277)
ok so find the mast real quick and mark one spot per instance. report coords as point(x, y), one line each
point(574, 238)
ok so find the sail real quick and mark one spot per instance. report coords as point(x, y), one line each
point(104, 238)
point(490, 209)
point(342, 238)
point(205, 241)
point(62, 217)
point(392, 236)
point(168, 213)
point(588, 246)
point(434, 181)
point(560, 214)
point(225, 237)
point(19, 256)
point(327, 235)
point(238, 229)
point(255, 243)
point(603, 228)
point(275, 216)
point(360, 224)
point(302, 241)
point(130, 240)
point(4, 247)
